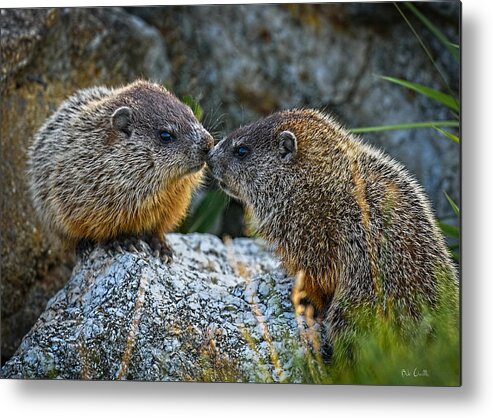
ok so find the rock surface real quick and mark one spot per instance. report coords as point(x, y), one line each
point(240, 62)
point(128, 316)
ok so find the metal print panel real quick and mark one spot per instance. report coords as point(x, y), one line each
point(263, 193)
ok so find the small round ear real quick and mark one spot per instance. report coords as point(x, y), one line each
point(121, 120)
point(287, 145)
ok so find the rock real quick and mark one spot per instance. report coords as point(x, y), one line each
point(128, 316)
point(245, 61)
point(47, 54)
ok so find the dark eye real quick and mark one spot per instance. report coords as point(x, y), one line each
point(166, 136)
point(241, 151)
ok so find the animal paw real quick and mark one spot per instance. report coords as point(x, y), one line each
point(160, 248)
point(84, 248)
point(127, 244)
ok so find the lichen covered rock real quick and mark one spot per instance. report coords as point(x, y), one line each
point(219, 312)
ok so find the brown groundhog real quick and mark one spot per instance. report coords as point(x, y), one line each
point(349, 217)
point(117, 163)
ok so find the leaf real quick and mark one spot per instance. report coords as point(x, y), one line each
point(453, 48)
point(425, 49)
point(194, 105)
point(455, 208)
point(439, 96)
point(448, 134)
point(207, 212)
point(411, 125)
point(449, 230)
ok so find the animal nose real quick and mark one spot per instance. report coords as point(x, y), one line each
point(213, 163)
point(213, 156)
point(207, 141)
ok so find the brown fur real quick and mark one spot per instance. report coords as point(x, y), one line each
point(351, 219)
point(99, 177)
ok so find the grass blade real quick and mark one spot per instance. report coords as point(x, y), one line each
point(453, 48)
point(206, 213)
point(194, 105)
point(425, 49)
point(449, 230)
point(443, 98)
point(452, 204)
point(411, 125)
point(448, 134)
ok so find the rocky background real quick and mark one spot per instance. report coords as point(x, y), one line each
point(240, 63)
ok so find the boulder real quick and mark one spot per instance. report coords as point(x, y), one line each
point(219, 312)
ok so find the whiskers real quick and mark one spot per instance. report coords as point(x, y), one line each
point(213, 121)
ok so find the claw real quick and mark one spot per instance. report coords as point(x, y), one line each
point(83, 249)
point(166, 259)
point(160, 248)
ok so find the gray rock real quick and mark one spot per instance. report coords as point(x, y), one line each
point(128, 316)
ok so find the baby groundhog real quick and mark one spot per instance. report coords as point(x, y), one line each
point(346, 215)
point(114, 164)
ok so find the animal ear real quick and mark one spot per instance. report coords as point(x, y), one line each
point(122, 120)
point(287, 145)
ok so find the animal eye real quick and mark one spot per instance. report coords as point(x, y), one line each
point(241, 151)
point(166, 136)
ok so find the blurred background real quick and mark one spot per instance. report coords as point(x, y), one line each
point(390, 72)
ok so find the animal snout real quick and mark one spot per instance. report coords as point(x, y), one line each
point(211, 155)
point(207, 142)
point(212, 162)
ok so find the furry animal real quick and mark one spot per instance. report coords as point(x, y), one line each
point(351, 219)
point(117, 163)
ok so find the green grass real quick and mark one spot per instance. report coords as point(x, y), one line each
point(385, 347)
point(407, 125)
point(433, 94)
point(446, 99)
point(206, 213)
point(452, 48)
point(449, 135)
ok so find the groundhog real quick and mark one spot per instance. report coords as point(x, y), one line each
point(117, 165)
point(351, 219)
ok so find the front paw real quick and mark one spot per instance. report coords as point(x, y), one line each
point(84, 248)
point(126, 244)
point(160, 248)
